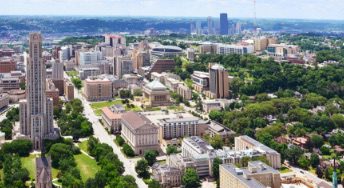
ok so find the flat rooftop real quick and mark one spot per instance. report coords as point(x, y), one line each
point(161, 117)
point(238, 173)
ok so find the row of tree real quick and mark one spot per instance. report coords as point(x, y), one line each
point(72, 121)
point(112, 168)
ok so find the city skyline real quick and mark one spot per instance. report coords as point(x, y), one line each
point(303, 9)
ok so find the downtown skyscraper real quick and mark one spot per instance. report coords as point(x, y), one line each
point(36, 112)
point(223, 24)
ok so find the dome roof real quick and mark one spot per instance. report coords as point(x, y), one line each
point(156, 85)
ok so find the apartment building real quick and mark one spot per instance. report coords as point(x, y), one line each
point(97, 89)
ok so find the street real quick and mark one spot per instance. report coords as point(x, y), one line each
point(104, 137)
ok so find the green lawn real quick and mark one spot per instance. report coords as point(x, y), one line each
point(83, 146)
point(88, 167)
point(97, 106)
point(30, 164)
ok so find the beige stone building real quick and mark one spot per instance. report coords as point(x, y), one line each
point(176, 125)
point(246, 142)
point(69, 90)
point(140, 133)
point(97, 89)
point(4, 100)
point(43, 173)
point(256, 175)
point(218, 82)
point(167, 176)
point(184, 91)
point(156, 94)
point(111, 120)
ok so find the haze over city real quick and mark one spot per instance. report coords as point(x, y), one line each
point(295, 9)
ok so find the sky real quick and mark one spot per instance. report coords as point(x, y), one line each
point(299, 9)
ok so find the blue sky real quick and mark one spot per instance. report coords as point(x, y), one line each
point(310, 9)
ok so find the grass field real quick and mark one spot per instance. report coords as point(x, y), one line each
point(97, 106)
point(83, 146)
point(30, 164)
point(88, 167)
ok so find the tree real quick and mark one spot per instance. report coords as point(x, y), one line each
point(338, 120)
point(191, 179)
point(314, 160)
point(77, 83)
point(124, 94)
point(316, 140)
point(153, 184)
point(216, 142)
point(20, 147)
point(293, 154)
point(303, 162)
point(128, 151)
point(119, 140)
point(325, 150)
point(150, 156)
point(6, 126)
point(216, 115)
point(137, 92)
point(123, 182)
point(58, 152)
point(14, 174)
point(216, 167)
point(171, 149)
point(142, 168)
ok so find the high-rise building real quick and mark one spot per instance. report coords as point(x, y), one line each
point(36, 112)
point(223, 24)
point(218, 81)
point(57, 69)
point(124, 65)
point(211, 26)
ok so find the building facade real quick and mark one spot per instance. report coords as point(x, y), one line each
point(246, 142)
point(7, 64)
point(156, 94)
point(257, 174)
point(218, 81)
point(223, 24)
point(36, 116)
point(111, 120)
point(43, 173)
point(97, 89)
point(140, 133)
point(167, 176)
point(68, 90)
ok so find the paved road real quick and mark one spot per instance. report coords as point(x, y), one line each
point(104, 137)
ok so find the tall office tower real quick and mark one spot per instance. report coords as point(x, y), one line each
point(124, 65)
point(223, 24)
point(211, 26)
point(198, 27)
point(36, 112)
point(218, 81)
